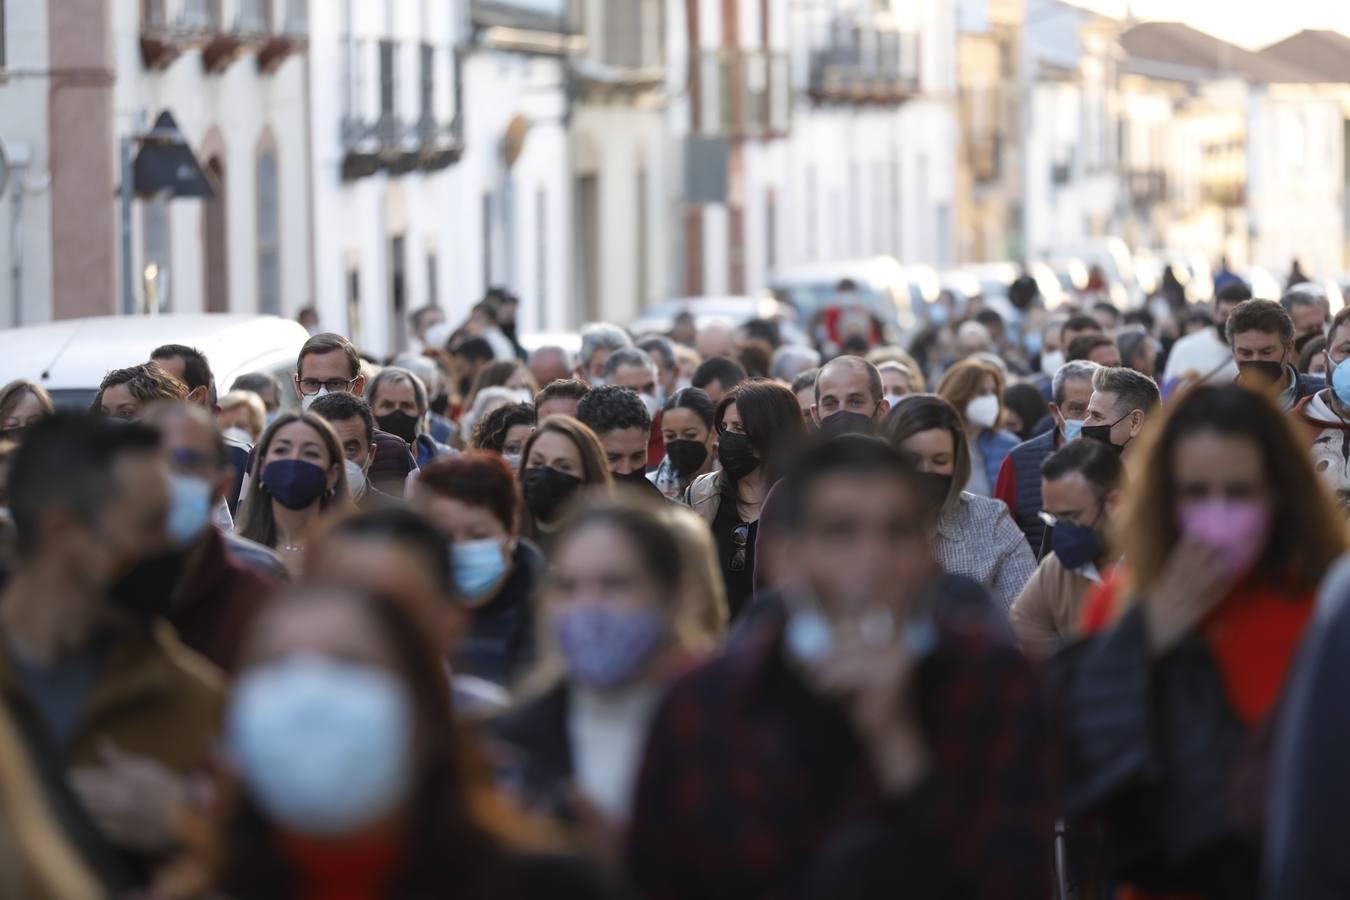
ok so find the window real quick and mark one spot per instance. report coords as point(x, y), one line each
point(428, 83)
point(157, 256)
point(388, 75)
point(269, 235)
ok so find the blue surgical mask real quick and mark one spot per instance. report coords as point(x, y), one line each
point(1073, 429)
point(608, 648)
point(478, 566)
point(938, 314)
point(324, 747)
point(189, 508)
point(1338, 376)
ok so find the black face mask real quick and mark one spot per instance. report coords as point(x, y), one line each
point(736, 454)
point(400, 424)
point(1260, 374)
point(686, 457)
point(440, 404)
point(546, 490)
point(935, 489)
point(147, 590)
point(1222, 329)
point(846, 422)
point(1102, 435)
point(637, 477)
point(14, 434)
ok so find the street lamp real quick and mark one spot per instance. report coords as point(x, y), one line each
point(156, 164)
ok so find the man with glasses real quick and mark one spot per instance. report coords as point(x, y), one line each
point(1080, 490)
point(1327, 413)
point(799, 762)
point(329, 364)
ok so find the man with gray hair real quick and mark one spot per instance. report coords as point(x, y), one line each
point(973, 338)
point(1122, 400)
point(636, 370)
point(1309, 307)
point(550, 364)
point(598, 341)
point(791, 360)
point(1019, 478)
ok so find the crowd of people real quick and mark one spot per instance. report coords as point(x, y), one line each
point(1043, 605)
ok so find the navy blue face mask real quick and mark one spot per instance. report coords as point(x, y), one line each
point(1076, 545)
point(294, 483)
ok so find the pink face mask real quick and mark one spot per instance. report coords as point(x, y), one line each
point(1236, 528)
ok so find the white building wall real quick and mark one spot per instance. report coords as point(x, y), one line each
point(240, 103)
point(24, 135)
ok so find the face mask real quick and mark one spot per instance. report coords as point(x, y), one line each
point(146, 590)
point(546, 490)
point(737, 455)
point(938, 314)
point(1338, 376)
point(238, 435)
point(1073, 429)
point(686, 457)
point(440, 404)
point(638, 478)
point(982, 412)
point(1222, 329)
point(324, 747)
point(597, 382)
point(682, 384)
point(1032, 343)
point(438, 335)
point(660, 396)
point(846, 422)
point(272, 417)
point(513, 460)
point(651, 404)
point(307, 400)
point(478, 567)
point(1236, 528)
point(399, 424)
point(809, 637)
point(894, 400)
point(1102, 434)
point(935, 489)
point(1075, 545)
point(14, 434)
point(1051, 362)
point(606, 648)
point(189, 508)
point(1260, 374)
point(294, 483)
point(356, 479)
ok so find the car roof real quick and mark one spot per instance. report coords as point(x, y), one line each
point(873, 271)
point(75, 354)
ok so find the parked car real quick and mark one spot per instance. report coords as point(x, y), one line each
point(659, 319)
point(70, 357)
point(882, 284)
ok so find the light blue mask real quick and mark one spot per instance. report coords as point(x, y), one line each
point(478, 567)
point(189, 508)
point(324, 747)
point(1338, 376)
point(1073, 429)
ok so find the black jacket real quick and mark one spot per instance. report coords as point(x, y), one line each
point(500, 643)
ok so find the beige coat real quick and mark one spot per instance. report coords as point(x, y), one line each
point(1045, 615)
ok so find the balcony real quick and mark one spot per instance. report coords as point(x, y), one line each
point(390, 145)
point(170, 27)
point(288, 35)
point(860, 63)
point(223, 29)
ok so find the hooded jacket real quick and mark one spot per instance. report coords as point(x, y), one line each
point(1329, 436)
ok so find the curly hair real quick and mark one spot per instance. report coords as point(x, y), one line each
point(612, 408)
point(148, 383)
point(491, 432)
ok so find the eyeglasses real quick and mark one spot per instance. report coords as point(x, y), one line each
point(311, 386)
point(740, 536)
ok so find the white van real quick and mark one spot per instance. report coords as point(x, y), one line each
point(69, 358)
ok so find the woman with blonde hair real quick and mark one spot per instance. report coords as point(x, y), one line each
point(1226, 534)
point(975, 389)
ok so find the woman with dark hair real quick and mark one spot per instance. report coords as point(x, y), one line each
point(473, 500)
point(690, 439)
point(1312, 358)
point(759, 425)
point(1023, 406)
point(23, 403)
point(347, 777)
point(507, 373)
point(618, 632)
point(560, 459)
point(974, 536)
point(298, 478)
point(505, 430)
point(1225, 536)
point(125, 393)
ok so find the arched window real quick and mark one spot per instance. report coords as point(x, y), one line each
point(269, 234)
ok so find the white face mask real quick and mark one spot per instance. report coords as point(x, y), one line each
point(238, 436)
point(356, 479)
point(307, 400)
point(894, 399)
point(438, 335)
point(982, 412)
point(1051, 362)
point(683, 384)
point(651, 403)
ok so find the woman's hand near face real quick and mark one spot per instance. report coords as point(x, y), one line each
point(1193, 584)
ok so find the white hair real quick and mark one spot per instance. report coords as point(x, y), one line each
point(488, 400)
point(790, 360)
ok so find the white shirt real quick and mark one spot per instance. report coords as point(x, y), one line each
point(607, 732)
point(1201, 353)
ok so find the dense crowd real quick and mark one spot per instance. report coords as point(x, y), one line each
point(1044, 604)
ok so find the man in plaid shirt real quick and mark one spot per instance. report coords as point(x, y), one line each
point(876, 744)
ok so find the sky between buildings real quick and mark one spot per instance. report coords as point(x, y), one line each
point(1247, 23)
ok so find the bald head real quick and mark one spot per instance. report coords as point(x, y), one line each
point(849, 384)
